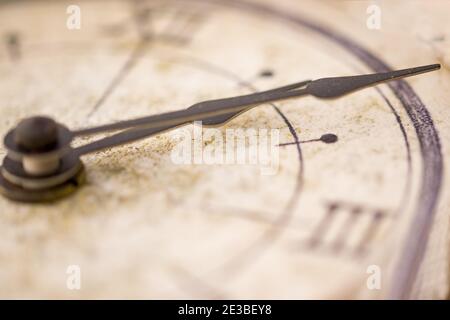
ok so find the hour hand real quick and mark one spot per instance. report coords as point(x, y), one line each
point(203, 110)
point(191, 112)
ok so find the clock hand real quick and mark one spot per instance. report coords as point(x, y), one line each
point(41, 164)
point(339, 86)
point(202, 110)
point(37, 137)
point(139, 133)
point(224, 109)
point(321, 88)
point(40, 140)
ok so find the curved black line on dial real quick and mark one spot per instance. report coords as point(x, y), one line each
point(427, 135)
point(407, 188)
point(247, 254)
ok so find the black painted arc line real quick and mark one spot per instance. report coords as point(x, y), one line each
point(284, 218)
point(249, 252)
point(124, 70)
point(430, 147)
point(407, 188)
point(129, 64)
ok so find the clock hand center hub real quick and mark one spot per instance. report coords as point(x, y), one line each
point(38, 135)
point(40, 164)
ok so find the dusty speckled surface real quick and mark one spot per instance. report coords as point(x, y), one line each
point(145, 227)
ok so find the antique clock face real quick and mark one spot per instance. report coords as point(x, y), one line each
point(343, 207)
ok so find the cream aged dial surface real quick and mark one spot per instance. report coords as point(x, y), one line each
point(352, 201)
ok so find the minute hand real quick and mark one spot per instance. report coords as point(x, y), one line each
point(325, 88)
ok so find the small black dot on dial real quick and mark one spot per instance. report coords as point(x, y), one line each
point(329, 138)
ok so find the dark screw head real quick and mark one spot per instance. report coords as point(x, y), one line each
point(36, 133)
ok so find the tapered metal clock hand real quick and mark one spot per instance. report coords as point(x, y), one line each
point(218, 112)
point(41, 164)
